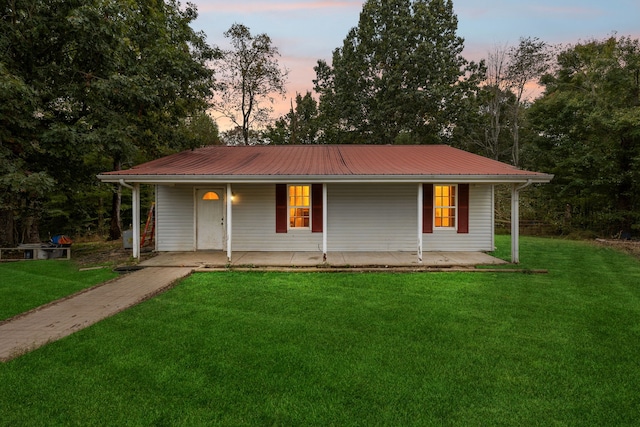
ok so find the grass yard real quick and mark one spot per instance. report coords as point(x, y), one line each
point(29, 284)
point(322, 349)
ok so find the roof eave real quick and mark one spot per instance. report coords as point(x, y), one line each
point(262, 179)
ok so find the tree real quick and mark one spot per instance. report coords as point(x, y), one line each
point(299, 126)
point(201, 130)
point(501, 98)
point(399, 74)
point(486, 131)
point(236, 136)
point(23, 182)
point(108, 83)
point(249, 76)
point(588, 126)
point(527, 62)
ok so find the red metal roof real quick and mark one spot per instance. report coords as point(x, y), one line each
point(349, 161)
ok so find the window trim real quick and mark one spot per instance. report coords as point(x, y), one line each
point(455, 207)
point(308, 207)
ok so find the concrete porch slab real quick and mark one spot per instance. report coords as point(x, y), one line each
point(218, 259)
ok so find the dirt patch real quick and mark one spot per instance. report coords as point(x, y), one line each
point(111, 254)
point(629, 246)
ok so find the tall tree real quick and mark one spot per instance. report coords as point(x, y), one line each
point(24, 91)
point(588, 127)
point(494, 102)
point(249, 77)
point(501, 100)
point(299, 126)
point(111, 81)
point(399, 75)
point(527, 62)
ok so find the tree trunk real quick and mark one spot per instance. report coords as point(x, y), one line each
point(31, 228)
point(7, 229)
point(115, 229)
point(516, 135)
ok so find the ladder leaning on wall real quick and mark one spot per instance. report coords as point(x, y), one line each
point(150, 226)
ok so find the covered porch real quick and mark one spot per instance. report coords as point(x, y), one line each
point(218, 259)
point(419, 257)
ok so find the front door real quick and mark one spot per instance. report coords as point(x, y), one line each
point(209, 219)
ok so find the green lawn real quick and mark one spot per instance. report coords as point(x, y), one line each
point(322, 349)
point(28, 284)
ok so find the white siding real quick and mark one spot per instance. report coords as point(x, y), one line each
point(254, 223)
point(360, 217)
point(480, 236)
point(175, 216)
point(372, 217)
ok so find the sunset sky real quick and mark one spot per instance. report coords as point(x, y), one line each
point(305, 31)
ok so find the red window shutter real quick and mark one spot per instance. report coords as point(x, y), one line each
point(463, 208)
point(427, 208)
point(281, 208)
point(316, 208)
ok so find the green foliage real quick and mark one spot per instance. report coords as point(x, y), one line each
point(495, 129)
point(299, 126)
point(266, 348)
point(200, 130)
point(95, 85)
point(588, 126)
point(400, 71)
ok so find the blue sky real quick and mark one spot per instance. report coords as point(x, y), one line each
point(305, 31)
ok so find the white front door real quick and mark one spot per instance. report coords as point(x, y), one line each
point(209, 219)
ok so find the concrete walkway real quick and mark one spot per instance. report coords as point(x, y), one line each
point(60, 318)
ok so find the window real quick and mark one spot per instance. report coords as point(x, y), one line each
point(445, 206)
point(299, 206)
point(211, 195)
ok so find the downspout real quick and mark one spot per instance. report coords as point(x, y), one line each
point(515, 220)
point(135, 202)
point(124, 184)
point(525, 185)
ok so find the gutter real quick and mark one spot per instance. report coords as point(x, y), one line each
point(304, 179)
point(124, 184)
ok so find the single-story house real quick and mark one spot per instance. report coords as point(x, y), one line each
point(325, 198)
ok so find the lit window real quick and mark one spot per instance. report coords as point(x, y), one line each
point(445, 206)
point(299, 202)
point(211, 195)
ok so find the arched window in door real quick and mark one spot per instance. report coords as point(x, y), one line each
point(211, 195)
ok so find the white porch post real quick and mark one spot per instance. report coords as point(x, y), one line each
point(135, 201)
point(515, 220)
point(324, 222)
point(229, 220)
point(420, 219)
point(515, 224)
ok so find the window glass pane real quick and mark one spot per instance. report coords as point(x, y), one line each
point(211, 195)
point(444, 205)
point(299, 202)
